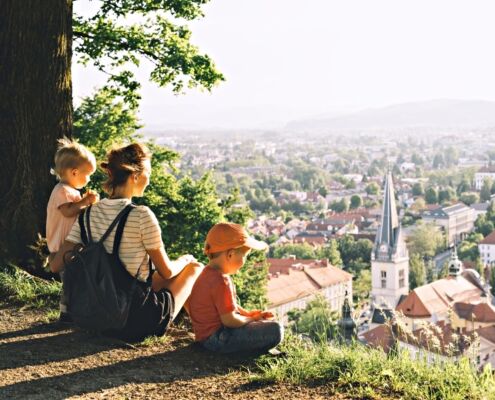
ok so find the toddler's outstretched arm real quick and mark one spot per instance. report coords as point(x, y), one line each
point(73, 209)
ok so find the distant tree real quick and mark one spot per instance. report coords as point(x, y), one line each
point(341, 166)
point(438, 161)
point(303, 251)
point(484, 226)
point(446, 195)
point(339, 206)
point(356, 201)
point(372, 188)
point(317, 320)
point(361, 287)
point(396, 170)
point(431, 196)
point(370, 203)
point(417, 189)
point(356, 255)
point(486, 190)
point(468, 251)
point(464, 186)
point(419, 204)
point(350, 184)
point(323, 191)
point(417, 271)
point(451, 156)
point(297, 208)
point(444, 271)
point(492, 280)
point(417, 159)
point(234, 212)
point(469, 198)
point(426, 240)
point(490, 211)
point(331, 252)
point(431, 273)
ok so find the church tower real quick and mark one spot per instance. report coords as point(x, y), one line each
point(389, 257)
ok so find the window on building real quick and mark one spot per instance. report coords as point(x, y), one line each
point(401, 279)
point(384, 279)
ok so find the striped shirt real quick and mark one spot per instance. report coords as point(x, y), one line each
point(141, 232)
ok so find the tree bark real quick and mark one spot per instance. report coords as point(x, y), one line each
point(35, 110)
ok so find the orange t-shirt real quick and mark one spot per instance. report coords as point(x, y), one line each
point(213, 294)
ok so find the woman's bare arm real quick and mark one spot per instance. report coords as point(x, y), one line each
point(57, 264)
point(165, 267)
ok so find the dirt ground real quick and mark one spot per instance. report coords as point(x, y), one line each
point(41, 360)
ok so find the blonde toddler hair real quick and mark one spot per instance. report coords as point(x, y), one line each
point(70, 154)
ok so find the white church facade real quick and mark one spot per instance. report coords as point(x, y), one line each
point(389, 257)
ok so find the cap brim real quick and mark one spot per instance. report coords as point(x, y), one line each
point(255, 244)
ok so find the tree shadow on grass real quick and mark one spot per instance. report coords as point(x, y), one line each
point(186, 363)
point(34, 330)
point(64, 346)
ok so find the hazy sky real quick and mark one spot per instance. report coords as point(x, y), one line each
point(287, 59)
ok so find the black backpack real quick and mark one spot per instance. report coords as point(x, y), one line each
point(99, 288)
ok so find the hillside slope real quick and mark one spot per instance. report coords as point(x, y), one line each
point(41, 360)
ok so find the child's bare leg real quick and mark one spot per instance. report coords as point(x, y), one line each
point(180, 286)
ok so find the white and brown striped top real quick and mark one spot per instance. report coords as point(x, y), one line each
point(141, 232)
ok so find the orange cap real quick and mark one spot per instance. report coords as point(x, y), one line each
point(225, 236)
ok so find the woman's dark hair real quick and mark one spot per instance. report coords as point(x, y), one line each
point(122, 162)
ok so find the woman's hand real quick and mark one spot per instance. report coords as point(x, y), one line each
point(187, 259)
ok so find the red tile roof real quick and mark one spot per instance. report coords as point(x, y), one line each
point(489, 168)
point(380, 337)
point(487, 332)
point(438, 296)
point(291, 279)
point(490, 239)
point(480, 312)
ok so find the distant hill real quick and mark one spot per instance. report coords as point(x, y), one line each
point(435, 113)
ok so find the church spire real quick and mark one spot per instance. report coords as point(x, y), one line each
point(386, 237)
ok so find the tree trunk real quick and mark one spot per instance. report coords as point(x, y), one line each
point(35, 110)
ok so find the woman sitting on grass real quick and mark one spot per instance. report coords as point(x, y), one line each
point(129, 170)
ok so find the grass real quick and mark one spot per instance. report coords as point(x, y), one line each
point(19, 287)
point(152, 341)
point(359, 371)
point(353, 370)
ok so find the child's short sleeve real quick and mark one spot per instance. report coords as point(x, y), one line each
point(65, 195)
point(74, 235)
point(223, 296)
point(149, 227)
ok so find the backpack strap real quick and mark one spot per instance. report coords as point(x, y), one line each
point(84, 236)
point(88, 225)
point(120, 228)
point(126, 210)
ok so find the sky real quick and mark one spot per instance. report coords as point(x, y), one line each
point(285, 59)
